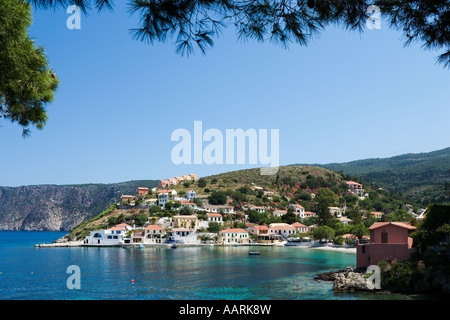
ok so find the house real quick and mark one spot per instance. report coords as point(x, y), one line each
point(278, 213)
point(172, 182)
point(190, 195)
point(188, 204)
point(137, 236)
point(301, 228)
point(387, 240)
point(170, 192)
point(335, 211)
point(189, 222)
point(141, 191)
point(126, 198)
point(283, 229)
point(194, 177)
point(214, 217)
point(163, 198)
point(258, 230)
point(219, 208)
point(163, 184)
point(355, 188)
point(151, 202)
point(112, 236)
point(153, 234)
point(298, 209)
point(345, 221)
point(258, 209)
point(377, 214)
point(182, 235)
point(308, 214)
point(233, 236)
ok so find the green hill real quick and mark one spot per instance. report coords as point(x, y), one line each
point(246, 188)
point(420, 177)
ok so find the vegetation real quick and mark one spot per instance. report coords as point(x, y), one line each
point(418, 177)
point(197, 23)
point(27, 83)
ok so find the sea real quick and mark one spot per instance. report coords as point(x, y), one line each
point(184, 273)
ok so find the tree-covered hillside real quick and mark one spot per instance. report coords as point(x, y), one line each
point(419, 177)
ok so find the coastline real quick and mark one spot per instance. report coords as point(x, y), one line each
point(163, 245)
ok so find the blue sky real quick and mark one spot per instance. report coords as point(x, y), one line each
point(346, 96)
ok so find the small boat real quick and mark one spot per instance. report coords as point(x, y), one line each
point(141, 246)
point(174, 246)
point(254, 253)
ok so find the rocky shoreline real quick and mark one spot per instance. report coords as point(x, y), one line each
point(347, 280)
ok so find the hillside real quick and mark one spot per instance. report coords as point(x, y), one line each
point(59, 208)
point(245, 189)
point(420, 177)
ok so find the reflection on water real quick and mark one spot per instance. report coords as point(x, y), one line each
point(164, 273)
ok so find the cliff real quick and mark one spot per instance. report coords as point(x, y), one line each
point(59, 208)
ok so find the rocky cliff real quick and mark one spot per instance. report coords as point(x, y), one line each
point(59, 208)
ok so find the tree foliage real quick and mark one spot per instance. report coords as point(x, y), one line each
point(27, 83)
point(195, 23)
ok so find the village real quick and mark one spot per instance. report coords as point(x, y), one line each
point(197, 222)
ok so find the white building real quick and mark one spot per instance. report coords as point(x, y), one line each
point(112, 236)
point(190, 195)
point(298, 210)
point(153, 234)
point(219, 208)
point(233, 236)
point(258, 209)
point(182, 235)
point(214, 217)
point(284, 230)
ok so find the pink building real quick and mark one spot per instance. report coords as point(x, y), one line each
point(163, 184)
point(142, 191)
point(387, 240)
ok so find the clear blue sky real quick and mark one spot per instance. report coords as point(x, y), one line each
point(346, 96)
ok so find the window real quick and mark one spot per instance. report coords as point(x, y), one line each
point(384, 237)
point(363, 249)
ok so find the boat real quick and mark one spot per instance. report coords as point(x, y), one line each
point(141, 246)
point(254, 253)
point(174, 246)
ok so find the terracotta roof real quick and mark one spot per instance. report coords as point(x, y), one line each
point(376, 213)
point(298, 225)
point(238, 230)
point(123, 225)
point(282, 227)
point(353, 182)
point(153, 227)
point(117, 228)
point(214, 214)
point(398, 224)
point(181, 229)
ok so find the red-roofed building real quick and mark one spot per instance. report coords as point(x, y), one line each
point(355, 188)
point(300, 227)
point(153, 234)
point(142, 191)
point(233, 236)
point(387, 240)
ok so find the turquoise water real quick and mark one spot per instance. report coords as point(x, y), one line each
point(284, 273)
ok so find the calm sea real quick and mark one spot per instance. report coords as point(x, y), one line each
point(228, 273)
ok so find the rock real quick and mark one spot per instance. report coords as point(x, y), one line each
point(351, 281)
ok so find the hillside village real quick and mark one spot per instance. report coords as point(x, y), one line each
point(234, 210)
